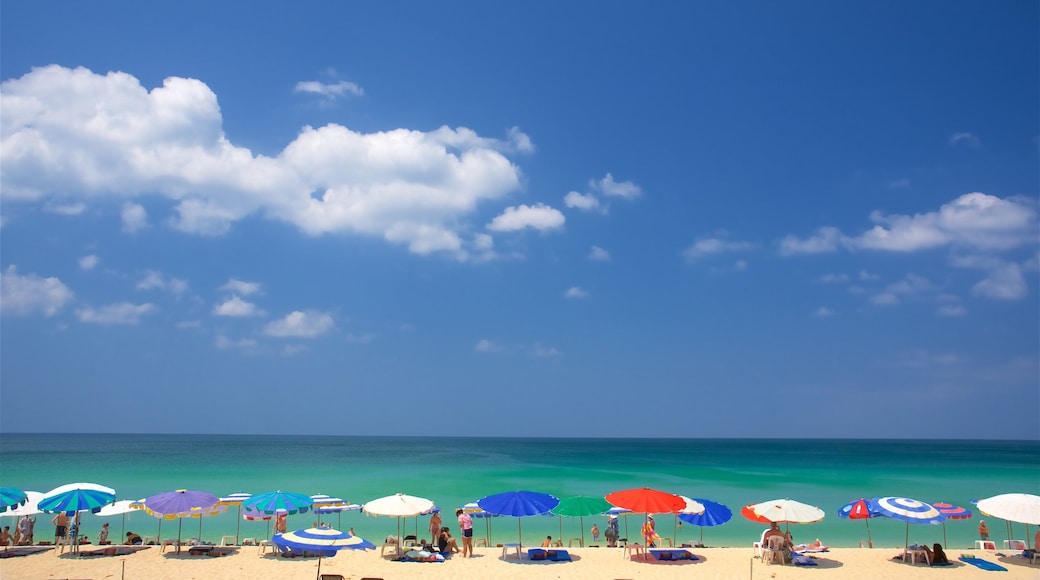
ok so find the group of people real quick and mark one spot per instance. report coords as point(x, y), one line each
point(23, 532)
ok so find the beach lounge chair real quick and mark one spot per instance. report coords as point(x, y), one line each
point(331, 577)
point(227, 540)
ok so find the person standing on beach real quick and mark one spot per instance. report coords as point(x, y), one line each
point(25, 530)
point(466, 525)
point(435, 526)
point(650, 531)
point(595, 533)
point(61, 526)
point(983, 530)
point(612, 532)
point(280, 523)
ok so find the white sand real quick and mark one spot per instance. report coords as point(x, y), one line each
point(587, 564)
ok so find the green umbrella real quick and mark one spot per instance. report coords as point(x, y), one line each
point(580, 506)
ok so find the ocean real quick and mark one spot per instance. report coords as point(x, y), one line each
point(455, 471)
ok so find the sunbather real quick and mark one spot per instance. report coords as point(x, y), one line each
point(816, 546)
point(936, 555)
point(445, 543)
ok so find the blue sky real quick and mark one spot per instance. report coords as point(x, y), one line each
point(670, 219)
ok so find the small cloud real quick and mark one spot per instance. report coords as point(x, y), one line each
point(710, 246)
point(236, 307)
point(135, 218)
point(899, 184)
point(739, 265)
point(965, 138)
point(833, 279)
point(121, 313)
point(294, 349)
point(823, 312)
point(521, 142)
point(827, 239)
point(27, 294)
point(154, 280)
point(88, 262)
point(239, 287)
point(224, 343)
point(598, 254)
point(65, 208)
point(952, 310)
point(584, 202)
point(538, 216)
point(329, 90)
point(611, 188)
point(575, 292)
point(1005, 282)
point(540, 351)
point(885, 299)
point(298, 324)
point(867, 276)
point(361, 338)
point(186, 324)
point(485, 345)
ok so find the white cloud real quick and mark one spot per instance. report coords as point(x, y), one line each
point(885, 299)
point(70, 209)
point(538, 216)
point(241, 287)
point(1005, 282)
point(408, 187)
point(88, 262)
point(585, 202)
point(598, 254)
point(158, 281)
point(236, 307)
point(575, 292)
point(299, 324)
point(30, 293)
point(624, 189)
point(135, 217)
point(826, 239)
point(121, 313)
point(823, 312)
point(223, 343)
point(899, 183)
point(965, 138)
point(711, 246)
point(951, 310)
point(365, 338)
point(485, 345)
point(541, 351)
point(329, 90)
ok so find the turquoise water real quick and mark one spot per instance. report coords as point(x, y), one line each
point(454, 471)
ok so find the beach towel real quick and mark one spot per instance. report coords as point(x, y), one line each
point(421, 556)
point(984, 564)
point(802, 560)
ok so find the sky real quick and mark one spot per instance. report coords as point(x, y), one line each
point(578, 219)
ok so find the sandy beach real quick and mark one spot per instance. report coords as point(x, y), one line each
point(587, 563)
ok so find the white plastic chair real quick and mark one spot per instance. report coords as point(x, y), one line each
point(227, 540)
point(773, 551)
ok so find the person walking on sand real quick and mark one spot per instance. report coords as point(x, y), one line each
point(466, 525)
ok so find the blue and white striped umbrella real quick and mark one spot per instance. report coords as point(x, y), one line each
point(909, 510)
point(324, 541)
point(77, 497)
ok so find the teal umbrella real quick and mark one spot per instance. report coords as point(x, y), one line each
point(11, 497)
point(77, 497)
point(580, 506)
point(273, 501)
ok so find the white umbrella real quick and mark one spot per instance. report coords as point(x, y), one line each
point(1023, 508)
point(399, 506)
point(787, 511)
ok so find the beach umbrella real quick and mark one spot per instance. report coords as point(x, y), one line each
point(398, 506)
point(179, 504)
point(273, 501)
point(580, 506)
point(861, 509)
point(11, 497)
point(29, 508)
point(320, 501)
point(76, 497)
point(951, 512)
point(236, 499)
point(1023, 508)
point(909, 510)
point(787, 511)
point(692, 507)
point(338, 510)
point(714, 514)
point(120, 508)
point(321, 540)
point(646, 500)
point(519, 504)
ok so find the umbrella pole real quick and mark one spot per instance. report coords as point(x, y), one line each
point(122, 527)
point(238, 526)
point(870, 542)
point(318, 577)
point(519, 533)
point(560, 518)
point(180, 522)
point(906, 540)
point(944, 535)
point(581, 522)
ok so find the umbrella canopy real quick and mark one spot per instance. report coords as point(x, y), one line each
point(1023, 508)
point(952, 512)
point(748, 512)
point(580, 506)
point(646, 500)
point(909, 510)
point(180, 504)
point(11, 497)
point(714, 514)
point(29, 508)
point(787, 511)
point(519, 504)
point(861, 509)
point(321, 540)
point(272, 501)
point(398, 505)
point(75, 497)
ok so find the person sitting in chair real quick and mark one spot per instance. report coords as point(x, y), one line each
point(936, 556)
